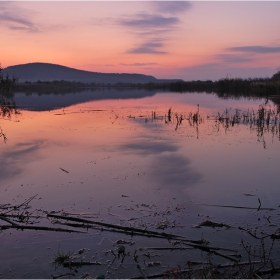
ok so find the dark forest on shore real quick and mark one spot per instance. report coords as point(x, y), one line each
point(226, 86)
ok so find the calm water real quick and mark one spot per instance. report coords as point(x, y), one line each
point(128, 164)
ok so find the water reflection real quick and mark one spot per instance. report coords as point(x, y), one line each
point(128, 157)
point(7, 104)
point(174, 172)
point(50, 100)
point(147, 147)
point(166, 167)
point(264, 121)
point(8, 107)
point(56, 100)
point(14, 158)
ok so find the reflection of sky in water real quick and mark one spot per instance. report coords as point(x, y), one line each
point(13, 159)
point(145, 146)
point(104, 151)
point(174, 172)
point(167, 168)
point(109, 154)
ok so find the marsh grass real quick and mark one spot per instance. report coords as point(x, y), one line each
point(2, 134)
point(60, 258)
point(7, 104)
point(264, 120)
point(169, 114)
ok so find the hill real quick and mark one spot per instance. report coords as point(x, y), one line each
point(33, 72)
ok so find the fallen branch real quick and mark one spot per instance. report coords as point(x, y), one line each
point(142, 272)
point(81, 263)
point(169, 248)
point(8, 221)
point(14, 208)
point(239, 207)
point(192, 247)
point(222, 255)
point(269, 271)
point(124, 231)
point(131, 230)
point(64, 170)
point(62, 275)
point(39, 228)
point(260, 204)
point(164, 274)
point(208, 223)
point(273, 236)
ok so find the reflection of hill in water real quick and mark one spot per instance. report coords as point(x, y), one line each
point(50, 101)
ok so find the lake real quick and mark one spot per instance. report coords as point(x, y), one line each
point(151, 160)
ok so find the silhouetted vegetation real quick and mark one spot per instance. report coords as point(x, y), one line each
point(233, 87)
point(7, 86)
point(7, 103)
point(224, 87)
point(193, 86)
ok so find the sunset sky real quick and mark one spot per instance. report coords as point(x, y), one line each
point(187, 40)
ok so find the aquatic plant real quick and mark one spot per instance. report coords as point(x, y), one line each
point(7, 103)
point(169, 115)
point(7, 84)
point(276, 76)
point(60, 257)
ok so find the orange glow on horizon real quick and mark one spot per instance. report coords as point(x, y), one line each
point(140, 37)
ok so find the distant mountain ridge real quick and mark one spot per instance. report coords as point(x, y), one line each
point(33, 72)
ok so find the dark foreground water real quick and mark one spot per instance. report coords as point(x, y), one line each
point(120, 158)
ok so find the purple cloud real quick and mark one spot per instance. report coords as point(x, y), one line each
point(152, 28)
point(149, 26)
point(149, 21)
point(16, 19)
point(255, 49)
point(148, 48)
point(232, 58)
point(171, 7)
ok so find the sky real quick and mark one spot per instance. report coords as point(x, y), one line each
point(196, 40)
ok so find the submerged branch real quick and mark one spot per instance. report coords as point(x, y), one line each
point(39, 228)
point(8, 221)
point(130, 230)
point(238, 207)
point(81, 263)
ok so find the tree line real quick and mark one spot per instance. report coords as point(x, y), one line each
point(223, 87)
point(233, 86)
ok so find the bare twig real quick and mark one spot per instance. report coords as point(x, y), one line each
point(39, 228)
point(239, 207)
point(131, 230)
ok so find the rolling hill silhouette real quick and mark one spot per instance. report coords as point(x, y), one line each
point(33, 72)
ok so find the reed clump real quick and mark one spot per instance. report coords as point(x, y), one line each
point(60, 257)
point(7, 103)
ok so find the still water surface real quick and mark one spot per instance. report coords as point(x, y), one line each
point(126, 162)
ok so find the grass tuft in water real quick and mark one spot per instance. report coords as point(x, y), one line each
point(60, 257)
